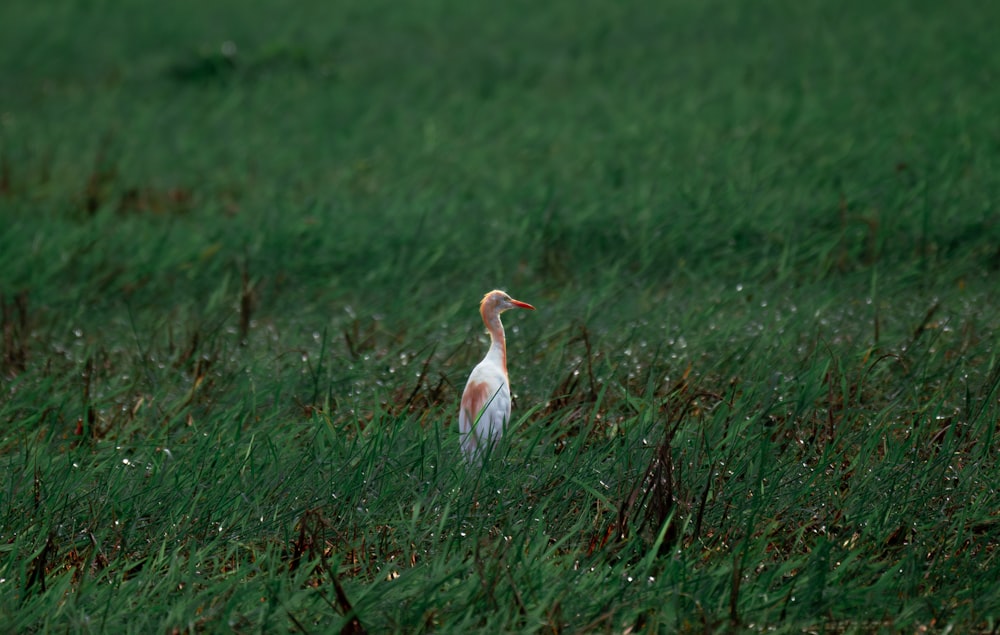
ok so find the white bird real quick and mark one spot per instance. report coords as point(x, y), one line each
point(485, 407)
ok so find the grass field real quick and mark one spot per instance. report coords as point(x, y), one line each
point(242, 250)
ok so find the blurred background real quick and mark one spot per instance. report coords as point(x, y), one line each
point(241, 251)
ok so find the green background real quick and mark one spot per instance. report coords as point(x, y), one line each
point(242, 249)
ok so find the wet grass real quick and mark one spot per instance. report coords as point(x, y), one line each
point(241, 257)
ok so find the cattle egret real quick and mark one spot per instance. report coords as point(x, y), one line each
point(485, 407)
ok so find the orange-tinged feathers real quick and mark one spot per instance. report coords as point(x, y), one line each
point(473, 399)
point(485, 406)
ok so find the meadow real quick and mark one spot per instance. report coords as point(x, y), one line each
point(241, 253)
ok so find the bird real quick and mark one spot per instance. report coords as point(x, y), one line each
point(485, 406)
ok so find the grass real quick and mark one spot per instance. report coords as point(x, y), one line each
point(241, 256)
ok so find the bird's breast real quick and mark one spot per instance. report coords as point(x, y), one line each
point(488, 373)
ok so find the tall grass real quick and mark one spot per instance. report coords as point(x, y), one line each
point(241, 255)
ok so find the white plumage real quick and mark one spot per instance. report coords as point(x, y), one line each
point(485, 407)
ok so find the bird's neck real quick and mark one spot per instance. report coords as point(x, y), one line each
point(498, 342)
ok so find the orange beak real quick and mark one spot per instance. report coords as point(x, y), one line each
point(521, 305)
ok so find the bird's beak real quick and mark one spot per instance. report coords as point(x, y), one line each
point(521, 305)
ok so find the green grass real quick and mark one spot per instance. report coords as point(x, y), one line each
point(240, 259)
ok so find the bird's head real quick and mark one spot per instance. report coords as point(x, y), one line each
point(496, 302)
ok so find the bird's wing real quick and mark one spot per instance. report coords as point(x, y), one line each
point(484, 411)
